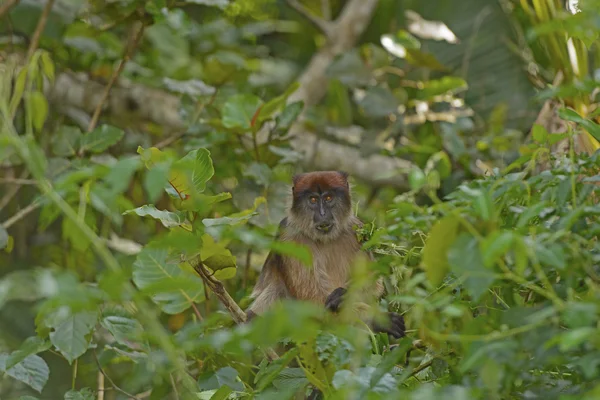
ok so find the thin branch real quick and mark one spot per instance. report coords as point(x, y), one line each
point(35, 38)
point(8, 4)
point(115, 75)
point(17, 181)
point(21, 214)
point(13, 190)
point(118, 389)
point(318, 22)
point(219, 290)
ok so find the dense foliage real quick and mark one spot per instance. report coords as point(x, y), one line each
point(130, 238)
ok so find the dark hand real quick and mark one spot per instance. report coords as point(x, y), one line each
point(394, 326)
point(334, 300)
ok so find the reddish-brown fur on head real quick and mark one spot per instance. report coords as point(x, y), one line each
point(319, 181)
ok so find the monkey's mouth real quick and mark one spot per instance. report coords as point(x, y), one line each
point(325, 227)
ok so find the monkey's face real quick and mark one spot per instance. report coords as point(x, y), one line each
point(321, 204)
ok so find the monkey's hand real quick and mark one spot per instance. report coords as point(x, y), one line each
point(334, 300)
point(394, 327)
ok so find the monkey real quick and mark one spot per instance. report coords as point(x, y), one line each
point(321, 218)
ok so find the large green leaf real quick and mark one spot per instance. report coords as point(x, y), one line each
point(190, 174)
point(161, 277)
point(240, 111)
point(100, 139)
point(30, 346)
point(465, 260)
point(72, 336)
point(32, 371)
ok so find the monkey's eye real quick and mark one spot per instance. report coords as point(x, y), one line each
point(328, 198)
point(313, 200)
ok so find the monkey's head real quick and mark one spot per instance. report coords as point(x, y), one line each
point(321, 204)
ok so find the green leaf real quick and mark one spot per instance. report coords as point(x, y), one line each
point(226, 376)
point(277, 103)
point(590, 126)
point(240, 111)
point(379, 102)
point(447, 84)
point(83, 394)
point(100, 139)
point(576, 337)
point(39, 109)
point(152, 270)
point(190, 174)
point(47, 66)
point(121, 173)
point(416, 178)
point(552, 254)
point(236, 218)
point(169, 219)
point(72, 336)
point(222, 394)
point(288, 116)
point(579, 315)
point(291, 379)
point(540, 134)
point(32, 371)
point(465, 260)
point(65, 141)
point(496, 246)
point(217, 258)
point(30, 346)
point(122, 327)
point(441, 237)
point(152, 156)
point(155, 181)
point(293, 249)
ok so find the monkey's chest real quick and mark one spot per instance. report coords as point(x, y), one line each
point(331, 269)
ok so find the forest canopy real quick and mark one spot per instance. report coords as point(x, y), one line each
point(147, 150)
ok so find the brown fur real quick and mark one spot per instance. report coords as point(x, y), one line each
point(333, 253)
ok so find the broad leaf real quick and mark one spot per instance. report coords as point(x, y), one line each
point(32, 371)
point(190, 174)
point(590, 126)
point(169, 219)
point(83, 394)
point(30, 346)
point(66, 141)
point(154, 272)
point(72, 336)
point(465, 260)
point(100, 139)
point(240, 111)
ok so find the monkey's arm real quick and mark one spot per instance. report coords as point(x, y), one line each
point(270, 286)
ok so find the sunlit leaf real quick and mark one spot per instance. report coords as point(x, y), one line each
point(590, 126)
point(217, 258)
point(190, 174)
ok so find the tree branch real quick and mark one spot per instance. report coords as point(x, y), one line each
point(128, 53)
point(239, 316)
point(35, 39)
point(319, 23)
point(8, 4)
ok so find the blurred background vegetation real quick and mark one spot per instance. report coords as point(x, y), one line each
point(436, 108)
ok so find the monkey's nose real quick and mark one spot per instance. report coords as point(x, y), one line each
point(324, 226)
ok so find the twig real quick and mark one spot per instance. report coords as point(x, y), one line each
point(169, 140)
point(35, 38)
point(100, 385)
point(17, 181)
point(8, 4)
point(118, 389)
point(21, 214)
point(319, 23)
point(219, 290)
point(197, 312)
point(421, 367)
point(115, 75)
point(12, 191)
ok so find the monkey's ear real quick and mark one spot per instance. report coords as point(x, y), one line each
point(344, 175)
